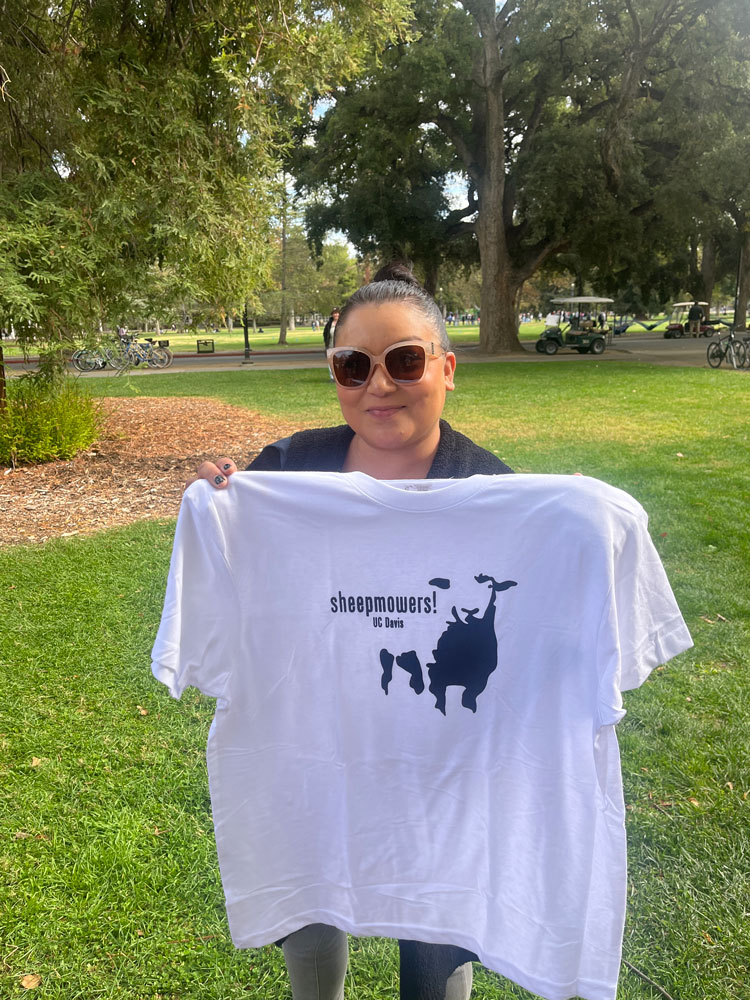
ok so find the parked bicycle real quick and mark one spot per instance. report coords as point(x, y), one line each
point(133, 353)
point(87, 359)
point(729, 347)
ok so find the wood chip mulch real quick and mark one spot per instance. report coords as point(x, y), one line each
point(137, 469)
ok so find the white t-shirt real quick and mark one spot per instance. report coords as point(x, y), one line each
point(417, 685)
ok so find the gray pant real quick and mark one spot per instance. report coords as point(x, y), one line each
point(316, 959)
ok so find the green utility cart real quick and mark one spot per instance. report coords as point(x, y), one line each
point(586, 330)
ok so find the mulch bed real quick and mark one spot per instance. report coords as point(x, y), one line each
point(136, 470)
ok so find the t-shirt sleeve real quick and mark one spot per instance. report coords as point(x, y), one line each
point(198, 620)
point(641, 625)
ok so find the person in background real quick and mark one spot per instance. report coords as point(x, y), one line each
point(329, 330)
point(695, 317)
point(329, 334)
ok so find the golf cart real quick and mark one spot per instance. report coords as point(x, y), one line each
point(677, 323)
point(582, 331)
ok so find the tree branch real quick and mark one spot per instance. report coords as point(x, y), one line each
point(449, 127)
point(4, 81)
point(504, 19)
point(534, 256)
point(459, 228)
point(533, 123)
point(457, 215)
point(635, 21)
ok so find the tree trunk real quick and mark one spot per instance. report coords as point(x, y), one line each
point(431, 279)
point(3, 399)
point(708, 273)
point(743, 282)
point(282, 318)
point(246, 331)
point(498, 330)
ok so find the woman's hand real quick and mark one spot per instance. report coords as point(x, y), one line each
point(217, 474)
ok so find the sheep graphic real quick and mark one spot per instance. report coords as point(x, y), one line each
point(465, 655)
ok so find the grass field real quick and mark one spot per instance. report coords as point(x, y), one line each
point(303, 336)
point(106, 843)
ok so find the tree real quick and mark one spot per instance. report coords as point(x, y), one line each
point(561, 116)
point(721, 175)
point(134, 135)
point(703, 113)
point(303, 282)
point(371, 169)
point(295, 270)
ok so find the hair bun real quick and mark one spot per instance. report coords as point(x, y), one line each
point(396, 271)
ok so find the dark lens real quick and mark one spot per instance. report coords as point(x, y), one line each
point(351, 368)
point(406, 364)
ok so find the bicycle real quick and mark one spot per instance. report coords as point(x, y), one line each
point(133, 353)
point(729, 347)
point(86, 360)
point(159, 353)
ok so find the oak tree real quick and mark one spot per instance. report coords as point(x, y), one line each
point(567, 120)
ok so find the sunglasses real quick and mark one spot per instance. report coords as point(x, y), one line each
point(406, 364)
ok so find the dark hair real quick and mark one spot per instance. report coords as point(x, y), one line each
point(395, 283)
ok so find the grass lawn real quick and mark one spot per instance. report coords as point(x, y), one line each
point(303, 336)
point(106, 844)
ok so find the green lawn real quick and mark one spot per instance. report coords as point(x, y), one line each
point(303, 336)
point(106, 841)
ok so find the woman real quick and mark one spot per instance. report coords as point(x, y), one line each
point(393, 367)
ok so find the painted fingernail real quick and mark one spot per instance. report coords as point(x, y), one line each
point(227, 466)
point(219, 480)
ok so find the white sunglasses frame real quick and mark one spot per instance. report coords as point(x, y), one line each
point(379, 359)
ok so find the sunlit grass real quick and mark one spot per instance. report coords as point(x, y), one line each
point(106, 848)
point(579, 402)
point(302, 337)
